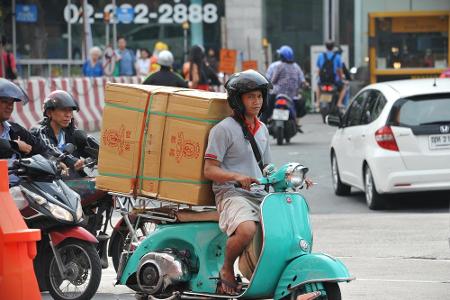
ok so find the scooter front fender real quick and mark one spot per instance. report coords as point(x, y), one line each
point(76, 232)
point(314, 267)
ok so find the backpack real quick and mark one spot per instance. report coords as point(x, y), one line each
point(326, 73)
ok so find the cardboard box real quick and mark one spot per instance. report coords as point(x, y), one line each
point(153, 140)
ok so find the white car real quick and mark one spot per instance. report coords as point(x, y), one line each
point(394, 138)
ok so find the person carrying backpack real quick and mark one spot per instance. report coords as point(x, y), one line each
point(329, 71)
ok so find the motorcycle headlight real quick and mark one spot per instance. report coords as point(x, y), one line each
point(295, 175)
point(59, 212)
point(79, 211)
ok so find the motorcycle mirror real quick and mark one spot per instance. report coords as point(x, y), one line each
point(69, 148)
point(80, 138)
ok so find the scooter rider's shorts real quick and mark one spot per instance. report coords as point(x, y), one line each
point(235, 210)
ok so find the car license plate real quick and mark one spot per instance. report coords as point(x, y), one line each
point(280, 114)
point(439, 141)
point(326, 98)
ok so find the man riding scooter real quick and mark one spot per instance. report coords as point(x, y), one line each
point(57, 127)
point(287, 78)
point(20, 139)
point(330, 80)
point(229, 159)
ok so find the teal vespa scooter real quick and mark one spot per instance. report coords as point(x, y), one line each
point(182, 259)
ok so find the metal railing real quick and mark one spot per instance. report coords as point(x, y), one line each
point(49, 67)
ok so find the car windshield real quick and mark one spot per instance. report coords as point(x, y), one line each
point(423, 110)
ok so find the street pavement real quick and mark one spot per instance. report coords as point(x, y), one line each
point(399, 253)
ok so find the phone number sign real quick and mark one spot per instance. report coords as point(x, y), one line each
point(140, 14)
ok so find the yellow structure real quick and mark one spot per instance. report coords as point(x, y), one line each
point(408, 44)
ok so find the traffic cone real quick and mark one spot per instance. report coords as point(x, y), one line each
point(17, 247)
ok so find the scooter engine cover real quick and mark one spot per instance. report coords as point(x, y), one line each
point(249, 258)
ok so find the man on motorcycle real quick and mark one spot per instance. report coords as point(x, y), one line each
point(57, 127)
point(21, 140)
point(287, 78)
point(331, 75)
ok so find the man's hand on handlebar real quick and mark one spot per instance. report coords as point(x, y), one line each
point(309, 183)
point(246, 181)
point(64, 169)
point(79, 164)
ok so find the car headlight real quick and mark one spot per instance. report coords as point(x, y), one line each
point(295, 175)
point(59, 212)
point(79, 211)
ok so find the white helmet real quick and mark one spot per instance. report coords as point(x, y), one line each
point(165, 58)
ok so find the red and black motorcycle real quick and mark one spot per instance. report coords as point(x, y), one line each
point(67, 263)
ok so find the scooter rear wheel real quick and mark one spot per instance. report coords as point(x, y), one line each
point(121, 241)
point(280, 135)
point(331, 288)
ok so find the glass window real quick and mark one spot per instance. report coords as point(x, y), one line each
point(378, 108)
point(45, 33)
point(374, 105)
point(355, 110)
point(412, 42)
point(296, 23)
point(423, 110)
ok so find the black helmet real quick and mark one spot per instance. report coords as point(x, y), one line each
point(59, 99)
point(329, 44)
point(244, 82)
point(10, 90)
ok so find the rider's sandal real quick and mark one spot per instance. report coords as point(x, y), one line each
point(236, 286)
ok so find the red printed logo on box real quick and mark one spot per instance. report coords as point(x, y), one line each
point(184, 148)
point(116, 138)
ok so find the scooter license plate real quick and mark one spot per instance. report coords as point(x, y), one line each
point(326, 98)
point(280, 114)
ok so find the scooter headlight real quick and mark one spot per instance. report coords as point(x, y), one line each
point(59, 212)
point(295, 175)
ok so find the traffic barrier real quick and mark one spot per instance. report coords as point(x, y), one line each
point(17, 247)
point(88, 91)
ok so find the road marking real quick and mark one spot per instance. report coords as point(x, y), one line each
point(401, 280)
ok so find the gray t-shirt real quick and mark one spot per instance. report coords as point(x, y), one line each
point(227, 145)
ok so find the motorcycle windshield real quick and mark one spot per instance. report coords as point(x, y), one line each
point(58, 193)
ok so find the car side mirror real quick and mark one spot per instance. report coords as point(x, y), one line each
point(333, 120)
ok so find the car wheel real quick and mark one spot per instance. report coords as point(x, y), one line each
point(374, 200)
point(340, 189)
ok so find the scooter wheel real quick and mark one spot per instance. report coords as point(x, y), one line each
point(331, 288)
point(121, 239)
point(280, 135)
point(83, 271)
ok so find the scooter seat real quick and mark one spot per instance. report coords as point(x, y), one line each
point(184, 216)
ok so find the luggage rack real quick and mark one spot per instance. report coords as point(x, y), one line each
point(156, 209)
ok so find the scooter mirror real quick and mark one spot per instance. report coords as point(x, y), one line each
point(69, 148)
point(80, 138)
